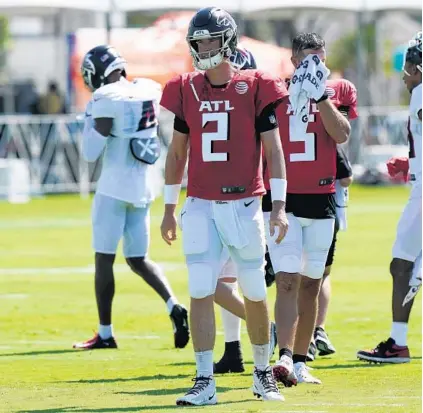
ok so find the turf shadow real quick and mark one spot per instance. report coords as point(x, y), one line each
point(164, 392)
point(347, 366)
point(124, 409)
point(124, 380)
point(37, 353)
point(55, 410)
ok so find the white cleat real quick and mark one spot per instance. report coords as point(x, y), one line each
point(283, 371)
point(264, 385)
point(303, 374)
point(273, 340)
point(202, 393)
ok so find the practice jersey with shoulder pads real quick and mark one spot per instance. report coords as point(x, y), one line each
point(134, 107)
point(310, 153)
point(415, 136)
point(225, 149)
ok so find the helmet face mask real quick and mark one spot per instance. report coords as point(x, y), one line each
point(211, 23)
point(99, 63)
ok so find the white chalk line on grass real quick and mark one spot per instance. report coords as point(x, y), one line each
point(89, 269)
point(86, 222)
point(13, 296)
point(68, 343)
point(349, 404)
point(61, 342)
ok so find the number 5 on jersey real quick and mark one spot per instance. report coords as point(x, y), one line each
point(221, 134)
point(298, 133)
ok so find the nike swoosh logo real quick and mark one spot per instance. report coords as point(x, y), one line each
point(183, 213)
point(211, 397)
point(390, 354)
point(247, 204)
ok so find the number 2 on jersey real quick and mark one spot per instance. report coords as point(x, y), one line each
point(221, 134)
point(298, 133)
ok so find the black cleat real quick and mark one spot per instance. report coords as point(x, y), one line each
point(96, 343)
point(179, 318)
point(323, 343)
point(231, 361)
point(312, 350)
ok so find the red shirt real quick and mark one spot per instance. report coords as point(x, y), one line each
point(310, 153)
point(225, 152)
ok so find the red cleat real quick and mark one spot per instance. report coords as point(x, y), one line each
point(386, 352)
point(96, 343)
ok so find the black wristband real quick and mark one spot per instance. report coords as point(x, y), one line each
point(323, 98)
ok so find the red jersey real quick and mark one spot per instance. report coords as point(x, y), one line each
point(225, 160)
point(310, 153)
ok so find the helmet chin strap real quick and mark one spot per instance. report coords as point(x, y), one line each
point(209, 62)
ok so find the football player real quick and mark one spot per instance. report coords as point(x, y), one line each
point(344, 179)
point(220, 112)
point(310, 132)
point(121, 124)
point(406, 264)
point(226, 295)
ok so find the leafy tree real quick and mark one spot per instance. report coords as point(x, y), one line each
point(4, 37)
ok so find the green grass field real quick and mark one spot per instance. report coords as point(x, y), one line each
point(47, 303)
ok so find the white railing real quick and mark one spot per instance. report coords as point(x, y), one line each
point(51, 146)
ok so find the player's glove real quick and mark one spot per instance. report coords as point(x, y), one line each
point(398, 165)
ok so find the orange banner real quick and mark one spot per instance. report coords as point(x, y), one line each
point(160, 52)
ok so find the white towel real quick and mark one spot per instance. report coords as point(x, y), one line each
point(314, 81)
point(308, 82)
point(228, 224)
point(341, 199)
point(298, 98)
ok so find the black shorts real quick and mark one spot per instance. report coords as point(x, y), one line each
point(331, 253)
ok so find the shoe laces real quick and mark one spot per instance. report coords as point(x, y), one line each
point(384, 345)
point(200, 383)
point(266, 379)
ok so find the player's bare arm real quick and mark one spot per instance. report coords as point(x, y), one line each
point(94, 137)
point(276, 163)
point(346, 182)
point(336, 124)
point(176, 160)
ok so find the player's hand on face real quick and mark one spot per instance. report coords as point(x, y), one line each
point(168, 228)
point(278, 222)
